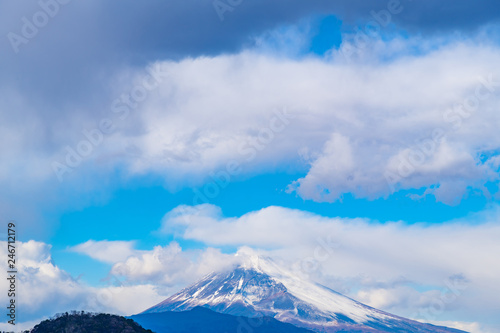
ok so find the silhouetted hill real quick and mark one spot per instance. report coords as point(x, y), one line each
point(81, 322)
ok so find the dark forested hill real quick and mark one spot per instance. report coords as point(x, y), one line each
point(81, 322)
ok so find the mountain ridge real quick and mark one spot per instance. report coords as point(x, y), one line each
point(259, 287)
point(200, 319)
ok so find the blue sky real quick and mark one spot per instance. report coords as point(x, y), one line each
point(268, 126)
point(139, 210)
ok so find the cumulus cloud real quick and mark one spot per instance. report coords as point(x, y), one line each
point(125, 299)
point(406, 269)
point(170, 266)
point(135, 282)
point(167, 267)
point(387, 120)
point(45, 289)
point(106, 251)
point(423, 271)
point(368, 128)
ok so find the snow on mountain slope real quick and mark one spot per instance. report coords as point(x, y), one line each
point(260, 287)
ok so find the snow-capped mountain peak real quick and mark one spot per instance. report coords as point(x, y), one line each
point(249, 259)
point(258, 286)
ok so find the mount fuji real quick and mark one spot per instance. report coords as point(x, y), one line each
point(259, 287)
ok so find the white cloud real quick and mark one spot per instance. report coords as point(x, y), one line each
point(21, 326)
point(170, 266)
point(140, 280)
point(126, 299)
point(361, 122)
point(428, 272)
point(468, 327)
point(451, 264)
point(371, 126)
point(106, 251)
point(44, 289)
